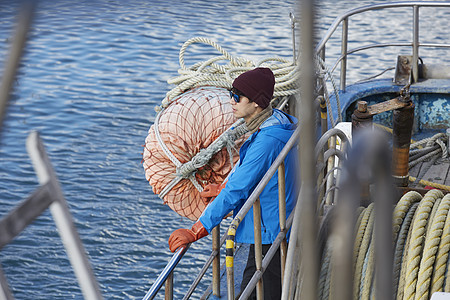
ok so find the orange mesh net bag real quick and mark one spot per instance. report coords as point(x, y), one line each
point(190, 146)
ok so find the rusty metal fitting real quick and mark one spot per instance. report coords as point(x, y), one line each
point(362, 106)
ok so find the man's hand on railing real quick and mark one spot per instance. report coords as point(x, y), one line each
point(182, 236)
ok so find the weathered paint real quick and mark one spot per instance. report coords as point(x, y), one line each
point(431, 97)
point(435, 114)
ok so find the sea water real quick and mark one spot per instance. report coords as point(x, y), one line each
point(88, 82)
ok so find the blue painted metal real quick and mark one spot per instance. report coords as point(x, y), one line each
point(431, 97)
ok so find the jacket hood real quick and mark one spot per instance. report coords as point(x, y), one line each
point(281, 126)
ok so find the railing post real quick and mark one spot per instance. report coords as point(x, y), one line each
point(323, 113)
point(168, 293)
point(282, 213)
point(12, 61)
point(294, 51)
point(229, 259)
point(415, 69)
point(343, 80)
point(216, 261)
point(258, 246)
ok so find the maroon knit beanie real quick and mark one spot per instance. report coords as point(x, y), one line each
point(257, 85)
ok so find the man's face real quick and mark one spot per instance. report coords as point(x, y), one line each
point(244, 108)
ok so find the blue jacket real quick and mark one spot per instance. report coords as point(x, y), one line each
point(256, 156)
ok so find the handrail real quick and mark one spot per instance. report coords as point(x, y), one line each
point(63, 218)
point(205, 268)
point(344, 18)
point(267, 258)
point(48, 195)
point(362, 9)
point(166, 272)
point(12, 61)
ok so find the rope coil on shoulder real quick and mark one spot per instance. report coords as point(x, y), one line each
point(192, 143)
point(218, 72)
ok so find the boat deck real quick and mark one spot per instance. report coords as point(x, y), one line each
point(439, 172)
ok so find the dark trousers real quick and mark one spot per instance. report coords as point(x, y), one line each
point(271, 277)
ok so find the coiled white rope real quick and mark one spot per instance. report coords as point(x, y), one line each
point(209, 72)
point(429, 142)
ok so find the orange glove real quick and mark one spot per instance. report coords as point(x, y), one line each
point(211, 191)
point(182, 237)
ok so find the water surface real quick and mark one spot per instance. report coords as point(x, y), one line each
point(89, 80)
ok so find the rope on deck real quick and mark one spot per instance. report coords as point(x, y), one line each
point(421, 245)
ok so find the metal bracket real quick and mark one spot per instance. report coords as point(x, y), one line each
point(403, 70)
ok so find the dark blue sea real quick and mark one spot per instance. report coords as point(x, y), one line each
point(89, 80)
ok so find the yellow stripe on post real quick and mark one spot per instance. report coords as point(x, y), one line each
point(229, 261)
point(231, 231)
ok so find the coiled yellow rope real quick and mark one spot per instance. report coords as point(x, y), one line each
point(421, 240)
point(430, 183)
point(365, 242)
point(401, 280)
point(417, 242)
point(402, 208)
point(437, 281)
point(431, 246)
point(400, 247)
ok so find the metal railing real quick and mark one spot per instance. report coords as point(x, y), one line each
point(252, 201)
point(345, 52)
point(48, 195)
point(15, 54)
point(166, 276)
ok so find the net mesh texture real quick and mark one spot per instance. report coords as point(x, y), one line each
point(190, 123)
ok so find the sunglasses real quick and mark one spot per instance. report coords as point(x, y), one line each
point(235, 96)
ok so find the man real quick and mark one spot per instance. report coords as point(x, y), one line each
point(271, 129)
